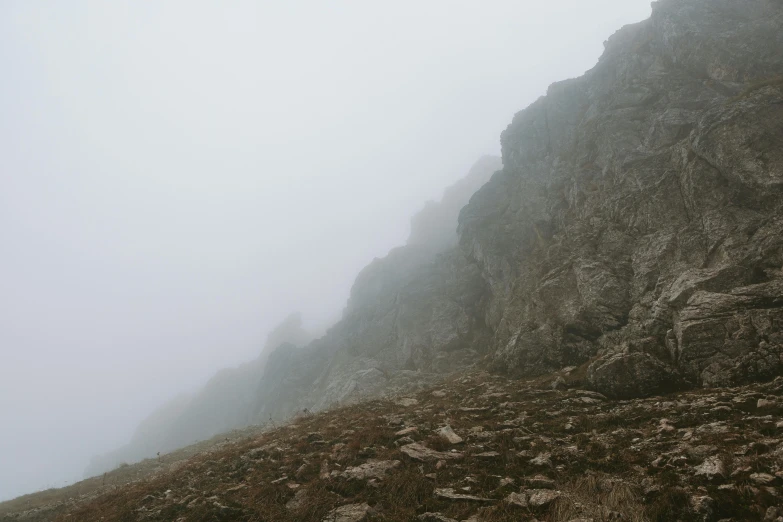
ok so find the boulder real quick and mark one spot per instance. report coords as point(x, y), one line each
point(376, 469)
point(711, 468)
point(631, 375)
point(450, 494)
point(448, 435)
point(349, 513)
point(420, 452)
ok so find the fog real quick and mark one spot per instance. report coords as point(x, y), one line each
point(177, 177)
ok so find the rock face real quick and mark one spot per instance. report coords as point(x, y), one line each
point(638, 214)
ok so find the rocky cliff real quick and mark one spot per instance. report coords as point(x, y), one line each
point(638, 215)
point(636, 227)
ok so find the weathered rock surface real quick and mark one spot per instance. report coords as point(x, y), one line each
point(349, 513)
point(449, 436)
point(538, 498)
point(711, 468)
point(434, 517)
point(370, 469)
point(624, 375)
point(639, 208)
point(450, 494)
point(418, 451)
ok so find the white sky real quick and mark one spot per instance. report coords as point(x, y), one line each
point(178, 176)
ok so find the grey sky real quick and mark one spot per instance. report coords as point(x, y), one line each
point(178, 176)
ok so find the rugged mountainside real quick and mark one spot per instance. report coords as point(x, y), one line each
point(635, 229)
point(636, 226)
point(632, 239)
point(638, 214)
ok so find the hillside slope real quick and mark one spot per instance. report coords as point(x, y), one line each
point(478, 447)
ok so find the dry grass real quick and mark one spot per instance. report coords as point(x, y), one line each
point(601, 497)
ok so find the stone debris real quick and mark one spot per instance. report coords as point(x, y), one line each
point(539, 482)
point(538, 498)
point(711, 468)
point(434, 517)
point(713, 458)
point(448, 434)
point(517, 499)
point(763, 479)
point(371, 469)
point(487, 455)
point(298, 501)
point(349, 513)
point(418, 451)
point(450, 494)
point(542, 459)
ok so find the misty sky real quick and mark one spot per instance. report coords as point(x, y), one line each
point(177, 176)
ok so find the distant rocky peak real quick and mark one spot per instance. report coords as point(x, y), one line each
point(289, 331)
point(435, 226)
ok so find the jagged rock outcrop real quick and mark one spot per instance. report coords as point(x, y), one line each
point(643, 199)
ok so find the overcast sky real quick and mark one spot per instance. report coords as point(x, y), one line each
point(178, 176)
